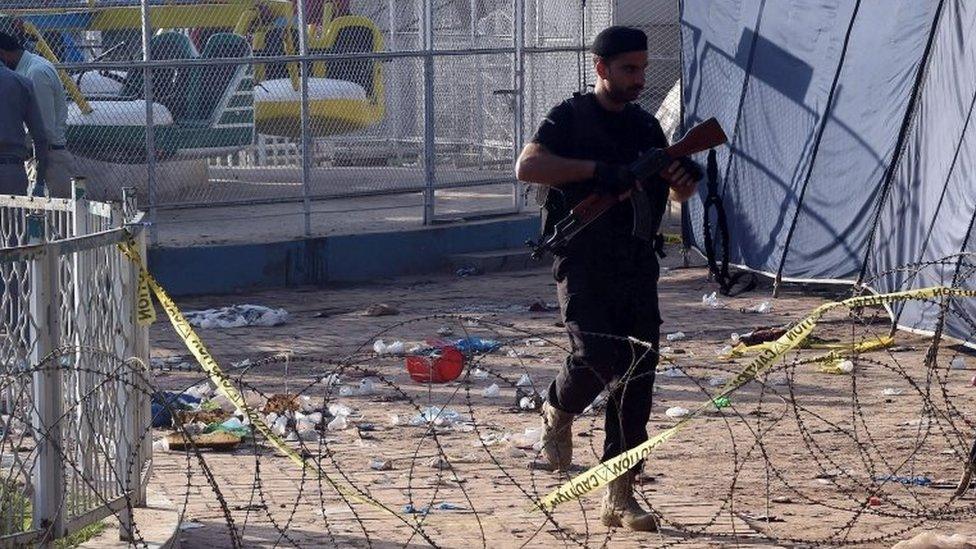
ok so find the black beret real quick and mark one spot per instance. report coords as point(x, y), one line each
point(615, 40)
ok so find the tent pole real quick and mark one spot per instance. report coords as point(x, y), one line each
point(902, 140)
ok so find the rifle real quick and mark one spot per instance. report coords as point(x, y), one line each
point(702, 137)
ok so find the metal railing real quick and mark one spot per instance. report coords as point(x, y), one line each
point(75, 442)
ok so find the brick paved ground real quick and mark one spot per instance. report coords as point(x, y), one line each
point(812, 465)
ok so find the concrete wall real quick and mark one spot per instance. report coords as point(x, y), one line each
point(344, 258)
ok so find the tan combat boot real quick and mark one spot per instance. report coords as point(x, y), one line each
point(557, 438)
point(620, 508)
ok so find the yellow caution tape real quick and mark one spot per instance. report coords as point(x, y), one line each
point(146, 313)
point(831, 361)
point(603, 473)
point(217, 375)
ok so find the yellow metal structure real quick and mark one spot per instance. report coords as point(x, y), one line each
point(328, 116)
point(252, 18)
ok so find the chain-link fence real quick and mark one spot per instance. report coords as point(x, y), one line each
point(258, 101)
point(74, 404)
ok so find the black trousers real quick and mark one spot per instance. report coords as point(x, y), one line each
point(595, 304)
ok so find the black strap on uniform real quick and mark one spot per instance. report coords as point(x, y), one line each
point(728, 284)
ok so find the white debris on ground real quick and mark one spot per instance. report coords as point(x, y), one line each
point(237, 316)
point(712, 300)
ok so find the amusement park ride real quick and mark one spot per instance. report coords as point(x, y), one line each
point(200, 108)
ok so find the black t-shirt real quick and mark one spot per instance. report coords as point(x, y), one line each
point(581, 128)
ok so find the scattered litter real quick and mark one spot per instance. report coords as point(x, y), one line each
point(378, 464)
point(491, 391)
point(212, 441)
point(724, 351)
point(677, 336)
point(540, 306)
point(161, 416)
point(721, 402)
point(394, 348)
point(438, 462)
point(536, 342)
point(712, 300)
point(760, 517)
point(932, 540)
point(718, 381)
point(331, 380)
point(762, 335)
point(394, 419)
point(346, 391)
point(190, 525)
point(524, 381)
point(922, 422)
point(908, 481)
point(527, 403)
point(435, 365)
point(677, 412)
point(338, 423)
point(491, 439)
point(464, 272)
point(763, 308)
point(734, 338)
point(665, 351)
point(445, 331)
point(438, 416)
point(232, 426)
point(381, 309)
point(478, 373)
point(201, 391)
point(674, 373)
point(281, 403)
point(443, 506)
point(527, 440)
point(777, 378)
point(367, 386)
point(891, 391)
point(874, 501)
point(476, 345)
point(782, 499)
point(846, 366)
point(958, 363)
point(340, 410)
point(237, 316)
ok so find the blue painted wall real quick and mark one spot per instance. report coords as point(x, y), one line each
point(343, 258)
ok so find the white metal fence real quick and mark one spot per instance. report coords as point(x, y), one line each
point(74, 430)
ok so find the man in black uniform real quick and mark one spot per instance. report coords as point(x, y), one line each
point(607, 275)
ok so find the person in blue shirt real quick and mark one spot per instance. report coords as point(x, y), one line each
point(53, 105)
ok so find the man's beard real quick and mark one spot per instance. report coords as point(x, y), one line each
point(627, 95)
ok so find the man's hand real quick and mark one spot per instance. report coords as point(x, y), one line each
point(613, 179)
point(683, 178)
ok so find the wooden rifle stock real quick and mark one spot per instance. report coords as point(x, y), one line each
point(702, 137)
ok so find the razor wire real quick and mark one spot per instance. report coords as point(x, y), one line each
point(435, 463)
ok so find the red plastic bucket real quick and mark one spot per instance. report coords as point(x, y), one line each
point(443, 365)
